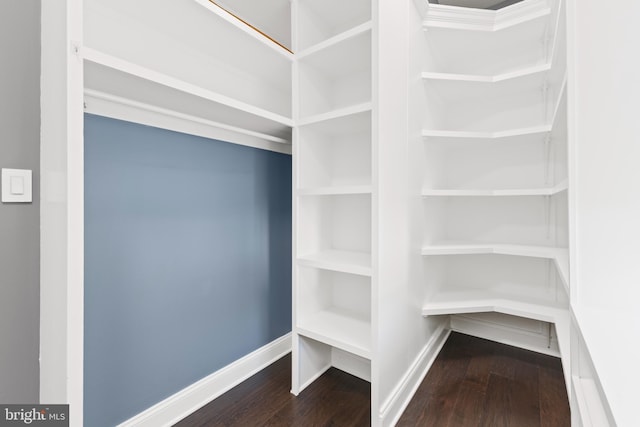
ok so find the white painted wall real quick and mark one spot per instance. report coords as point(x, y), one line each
point(605, 203)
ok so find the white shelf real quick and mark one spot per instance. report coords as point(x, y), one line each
point(455, 248)
point(472, 78)
point(335, 190)
point(109, 77)
point(147, 35)
point(558, 255)
point(335, 260)
point(338, 329)
point(471, 135)
point(464, 302)
point(336, 76)
point(545, 191)
point(487, 301)
point(340, 38)
point(336, 114)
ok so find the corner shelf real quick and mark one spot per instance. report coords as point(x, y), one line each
point(545, 191)
point(472, 78)
point(478, 136)
point(464, 302)
point(447, 303)
point(558, 255)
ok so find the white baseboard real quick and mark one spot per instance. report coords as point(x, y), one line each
point(502, 331)
point(399, 400)
point(192, 398)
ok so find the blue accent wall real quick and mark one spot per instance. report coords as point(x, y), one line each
point(187, 261)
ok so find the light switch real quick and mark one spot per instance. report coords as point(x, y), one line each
point(16, 186)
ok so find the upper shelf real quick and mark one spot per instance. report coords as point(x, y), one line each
point(111, 78)
point(210, 61)
point(335, 75)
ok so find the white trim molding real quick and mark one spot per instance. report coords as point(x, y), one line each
point(192, 398)
point(395, 405)
point(484, 20)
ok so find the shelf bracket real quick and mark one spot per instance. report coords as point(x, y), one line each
point(545, 100)
point(547, 160)
point(547, 214)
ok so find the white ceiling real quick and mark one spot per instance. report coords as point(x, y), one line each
point(272, 17)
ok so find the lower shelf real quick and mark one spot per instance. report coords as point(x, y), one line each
point(487, 301)
point(336, 260)
point(484, 301)
point(340, 330)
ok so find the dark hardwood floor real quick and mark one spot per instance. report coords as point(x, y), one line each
point(473, 382)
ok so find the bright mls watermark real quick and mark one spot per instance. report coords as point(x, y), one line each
point(34, 415)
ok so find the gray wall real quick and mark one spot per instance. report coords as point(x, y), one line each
point(187, 261)
point(19, 223)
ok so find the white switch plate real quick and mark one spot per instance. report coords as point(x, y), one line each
point(16, 186)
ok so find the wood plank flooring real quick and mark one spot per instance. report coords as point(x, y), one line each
point(473, 382)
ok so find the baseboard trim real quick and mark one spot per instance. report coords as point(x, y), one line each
point(504, 334)
point(192, 398)
point(395, 405)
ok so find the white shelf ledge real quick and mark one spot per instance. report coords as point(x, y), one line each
point(472, 78)
point(339, 330)
point(490, 301)
point(335, 190)
point(349, 34)
point(544, 191)
point(473, 135)
point(109, 77)
point(558, 255)
point(342, 261)
point(337, 113)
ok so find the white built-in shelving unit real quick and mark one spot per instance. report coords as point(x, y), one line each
point(495, 164)
point(333, 187)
